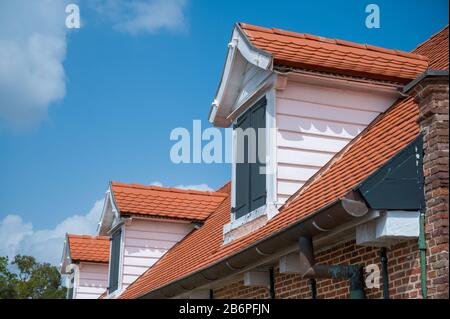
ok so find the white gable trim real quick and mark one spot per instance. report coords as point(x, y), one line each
point(65, 260)
point(240, 53)
point(110, 214)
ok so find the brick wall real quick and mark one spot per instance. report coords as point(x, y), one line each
point(432, 97)
point(403, 269)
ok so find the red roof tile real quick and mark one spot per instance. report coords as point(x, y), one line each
point(433, 48)
point(89, 248)
point(323, 54)
point(386, 136)
point(165, 202)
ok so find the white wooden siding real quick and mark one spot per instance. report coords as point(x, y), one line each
point(92, 280)
point(314, 122)
point(145, 242)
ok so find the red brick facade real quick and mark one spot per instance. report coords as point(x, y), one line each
point(432, 97)
point(403, 269)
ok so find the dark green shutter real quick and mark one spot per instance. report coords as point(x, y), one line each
point(114, 262)
point(250, 188)
point(258, 180)
point(242, 205)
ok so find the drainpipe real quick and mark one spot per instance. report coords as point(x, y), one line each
point(423, 255)
point(384, 270)
point(272, 284)
point(313, 285)
point(309, 269)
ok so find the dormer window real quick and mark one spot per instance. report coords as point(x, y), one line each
point(250, 188)
point(308, 116)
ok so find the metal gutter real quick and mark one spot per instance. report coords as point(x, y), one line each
point(354, 206)
point(325, 219)
point(427, 74)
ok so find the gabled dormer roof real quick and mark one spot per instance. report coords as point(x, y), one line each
point(85, 248)
point(165, 202)
point(270, 49)
point(343, 57)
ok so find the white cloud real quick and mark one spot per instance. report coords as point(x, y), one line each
point(18, 237)
point(32, 51)
point(140, 16)
point(197, 187)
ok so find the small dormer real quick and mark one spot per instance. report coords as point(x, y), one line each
point(85, 264)
point(144, 222)
point(304, 98)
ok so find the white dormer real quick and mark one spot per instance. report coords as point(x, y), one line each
point(144, 222)
point(308, 118)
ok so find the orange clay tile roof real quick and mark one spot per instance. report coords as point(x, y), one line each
point(162, 202)
point(433, 49)
point(387, 135)
point(89, 248)
point(332, 55)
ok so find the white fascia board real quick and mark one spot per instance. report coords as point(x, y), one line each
point(238, 48)
point(398, 224)
point(65, 260)
point(256, 278)
point(199, 294)
point(290, 264)
point(390, 228)
point(110, 214)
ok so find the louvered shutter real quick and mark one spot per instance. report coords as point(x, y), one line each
point(114, 262)
point(242, 186)
point(250, 188)
point(258, 179)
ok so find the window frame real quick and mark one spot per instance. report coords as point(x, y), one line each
point(119, 258)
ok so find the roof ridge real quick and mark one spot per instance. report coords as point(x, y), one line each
point(168, 189)
point(88, 236)
point(339, 42)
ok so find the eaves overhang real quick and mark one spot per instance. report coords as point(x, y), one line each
point(401, 176)
point(240, 53)
point(110, 212)
point(342, 210)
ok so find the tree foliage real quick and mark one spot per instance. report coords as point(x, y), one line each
point(31, 280)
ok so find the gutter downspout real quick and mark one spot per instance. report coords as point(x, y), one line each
point(384, 270)
point(271, 284)
point(423, 255)
point(309, 269)
point(313, 286)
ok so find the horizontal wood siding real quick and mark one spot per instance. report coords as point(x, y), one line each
point(93, 280)
point(145, 242)
point(313, 124)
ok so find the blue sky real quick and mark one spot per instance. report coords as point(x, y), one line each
point(126, 88)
